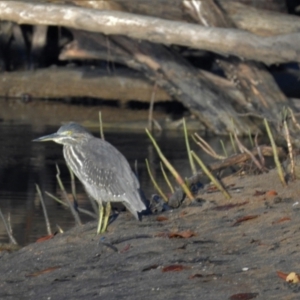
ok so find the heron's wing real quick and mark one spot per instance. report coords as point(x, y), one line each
point(105, 168)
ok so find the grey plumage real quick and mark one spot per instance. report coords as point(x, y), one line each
point(102, 169)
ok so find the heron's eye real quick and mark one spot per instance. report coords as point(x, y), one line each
point(69, 132)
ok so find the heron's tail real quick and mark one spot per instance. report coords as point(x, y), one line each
point(135, 205)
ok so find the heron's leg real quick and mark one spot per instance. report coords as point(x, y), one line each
point(100, 217)
point(106, 216)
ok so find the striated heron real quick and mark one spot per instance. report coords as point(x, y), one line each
point(103, 170)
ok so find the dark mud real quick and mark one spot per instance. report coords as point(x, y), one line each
point(227, 255)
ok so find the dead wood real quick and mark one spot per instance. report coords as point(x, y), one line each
point(86, 82)
point(270, 50)
point(258, 86)
point(170, 71)
point(165, 9)
point(88, 45)
point(253, 17)
point(99, 4)
point(237, 159)
point(184, 83)
point(96, 46)
point(259, 21)
point(243, 157)
point(247, 15)
point(215, 108)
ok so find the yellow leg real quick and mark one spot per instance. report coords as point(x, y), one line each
point(106, 217)
point(100, 218)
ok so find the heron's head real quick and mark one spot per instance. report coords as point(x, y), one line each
point(71, 133)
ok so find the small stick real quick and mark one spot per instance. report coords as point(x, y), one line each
point(166, 178)
point(211, 176)
point(162, 194)
point(9, 223)
point(176, 175)
point(187, 143)
point(224, 149)
point(207, 148)
point(73, 211)
point(290, 147)
point(10, 236)
point(73, 187)
point(275, 153)
point(101, 126)
point(204, 145)
point(150, 117)
point(293, 118)
point(243, 149)
point(250, 138)
point(157, 125)
point(261, 157)
point(232, 143)
point(81, 210)
point(48, 226)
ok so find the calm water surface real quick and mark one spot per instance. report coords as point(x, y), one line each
point(23, 164)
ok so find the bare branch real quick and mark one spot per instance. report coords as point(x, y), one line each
point(270, 50)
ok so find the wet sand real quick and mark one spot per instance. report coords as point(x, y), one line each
point(221, 254)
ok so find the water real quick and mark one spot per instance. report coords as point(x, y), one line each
point(23, 164)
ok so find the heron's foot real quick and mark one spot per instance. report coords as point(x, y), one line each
point(103, 229)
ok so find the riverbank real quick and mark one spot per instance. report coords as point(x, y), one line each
point(213, 249)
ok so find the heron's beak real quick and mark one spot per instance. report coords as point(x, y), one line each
point(50, 137)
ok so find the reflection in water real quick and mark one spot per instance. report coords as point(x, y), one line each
point(24, 163)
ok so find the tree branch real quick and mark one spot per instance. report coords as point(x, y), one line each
point(270, 50)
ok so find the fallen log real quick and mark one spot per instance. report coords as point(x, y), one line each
point(183, 82)
point(170, 71)
point(259, 21)
point(270, 50)
point(258, 86)
point(255, 17)
point(90, 46)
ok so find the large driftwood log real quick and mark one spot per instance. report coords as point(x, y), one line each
point(87, 46)
point(270, 50)
point(259, 21)
point(256, 18)
point(262, 93)
point(170, 71)
point(182, 81)
point(91, 46)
